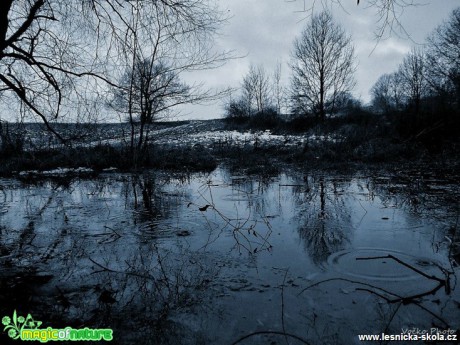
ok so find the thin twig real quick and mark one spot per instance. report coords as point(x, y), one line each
point(389, 256)
point(391, 319)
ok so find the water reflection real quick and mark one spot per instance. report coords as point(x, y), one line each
point(325, 221)
point(175, 257)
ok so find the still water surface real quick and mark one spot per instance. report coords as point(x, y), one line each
point(211, 258)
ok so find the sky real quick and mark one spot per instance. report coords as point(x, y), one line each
point(263, 31)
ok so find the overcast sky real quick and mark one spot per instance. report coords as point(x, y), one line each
point(263, 31)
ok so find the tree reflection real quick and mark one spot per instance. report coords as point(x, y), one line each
point(151, 198)
point(324, 217)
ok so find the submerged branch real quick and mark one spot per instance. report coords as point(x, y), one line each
point(389, 256)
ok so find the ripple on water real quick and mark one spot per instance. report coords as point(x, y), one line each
point(167, 229)
point(237, 196)
point(383, 269)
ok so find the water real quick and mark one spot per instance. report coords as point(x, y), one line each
point(211, 258)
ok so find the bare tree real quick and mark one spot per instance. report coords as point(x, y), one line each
point(256, 89)
point(322, 66)
point(412, 73)
point(387, 94)
point(156, 49)
point(147, 92)
point(278, 89)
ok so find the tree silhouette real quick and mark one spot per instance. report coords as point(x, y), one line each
point(322, 65)
point(256, 89)
point(413, 76)
point(443, 58)
point(388, 94)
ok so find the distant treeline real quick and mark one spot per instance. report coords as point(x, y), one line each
point(420, 101)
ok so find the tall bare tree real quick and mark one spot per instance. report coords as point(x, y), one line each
point(413, 77)
point(256, 89)
point(278, 89)
point(322, 66)
point(147, 92)
point(157, 48)
point(388, 94)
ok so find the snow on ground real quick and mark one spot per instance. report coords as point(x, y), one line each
point(209, 134)
point(206, 134)
point(235, 138)
point(57, 172)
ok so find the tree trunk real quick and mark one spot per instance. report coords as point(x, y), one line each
point(322, 112)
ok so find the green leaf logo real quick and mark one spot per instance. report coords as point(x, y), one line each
point(18, 323)
point(6, 321)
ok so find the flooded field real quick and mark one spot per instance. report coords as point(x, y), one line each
point(225, 258)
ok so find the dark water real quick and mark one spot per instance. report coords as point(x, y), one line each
point(211, 258)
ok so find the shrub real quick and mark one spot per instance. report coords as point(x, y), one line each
point(236, 112)
point(266, 119)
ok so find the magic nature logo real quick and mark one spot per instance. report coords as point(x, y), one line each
point(26, 328)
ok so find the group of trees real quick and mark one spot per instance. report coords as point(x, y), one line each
point(403, 89)
point(62, 60)
point(426, 85)
point(67, 60)
point(261, 95)
point(322, 68)
point(424, 91)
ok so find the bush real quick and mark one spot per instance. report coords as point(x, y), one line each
point(236, 112)
point(298, 124)
point(266, 119)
